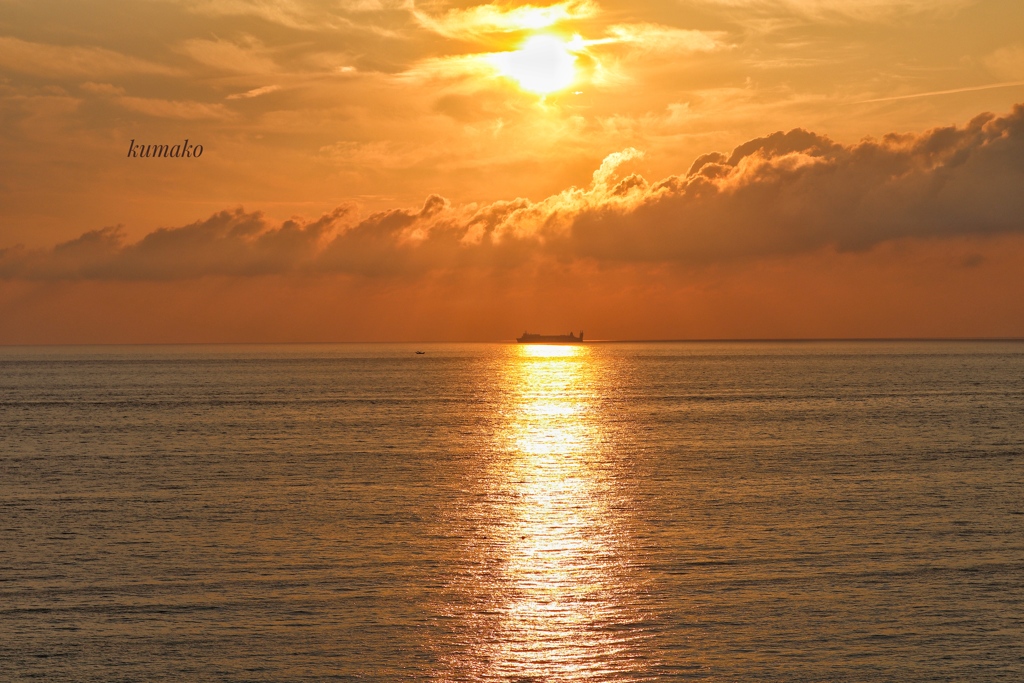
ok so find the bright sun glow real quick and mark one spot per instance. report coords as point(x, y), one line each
point(542, 65)
point(548, 350)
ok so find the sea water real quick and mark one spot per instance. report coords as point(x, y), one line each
point(493, 512)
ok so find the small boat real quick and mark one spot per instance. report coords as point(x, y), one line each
point(570, 338)
point(420, 353)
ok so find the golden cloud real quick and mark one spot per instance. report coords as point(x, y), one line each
point(783, 194)
point(476, 22)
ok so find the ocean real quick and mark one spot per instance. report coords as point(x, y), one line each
point(799, 511)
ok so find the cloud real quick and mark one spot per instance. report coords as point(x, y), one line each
point(479, 21)
point(60, 61)
point(231, 242)
point(174, 109)
point(657, 38)
point(860, 10)
point(489, 25)
point(223, 55)
point(289, 13)
point(783, 194)
point(169, 109)
point(313, 16)
point(103, 89)
point(796, 192)
point(452, 67)
point(952, 91)
point(255, 92)
point(1007, 62)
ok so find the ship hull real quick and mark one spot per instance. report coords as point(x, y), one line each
point(528, 338)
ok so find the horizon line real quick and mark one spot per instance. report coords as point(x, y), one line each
point(512, 340)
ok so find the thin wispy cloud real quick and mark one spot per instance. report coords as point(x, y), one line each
point(479, 21)
point(843, 10)
point(655, 37)
point(247, 57)
point(156, 107)
point(952, 91)
point(71, 61)
point(255, 92)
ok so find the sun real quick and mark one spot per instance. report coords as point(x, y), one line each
point(542, 65)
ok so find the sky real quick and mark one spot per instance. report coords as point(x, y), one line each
point(416, 171)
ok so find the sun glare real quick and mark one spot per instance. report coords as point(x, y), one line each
point(542, 65)
point(548, 350)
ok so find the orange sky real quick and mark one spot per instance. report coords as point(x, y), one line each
point(448, 170)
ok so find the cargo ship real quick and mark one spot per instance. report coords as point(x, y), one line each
point(570, 338)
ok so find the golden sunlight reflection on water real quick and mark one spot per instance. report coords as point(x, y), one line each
point(834, 511)
point(554, 599)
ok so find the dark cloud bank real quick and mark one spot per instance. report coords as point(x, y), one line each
point(782, 194)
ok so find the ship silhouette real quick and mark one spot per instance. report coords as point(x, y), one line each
point(570, 338)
